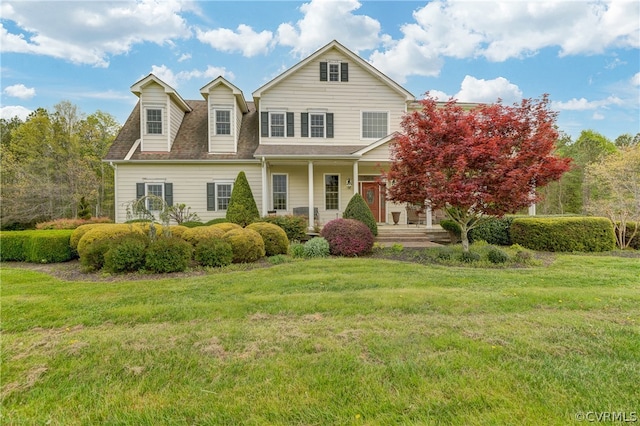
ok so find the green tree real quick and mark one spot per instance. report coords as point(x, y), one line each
point(359, 210)
point(242, 207)
point(626, 140)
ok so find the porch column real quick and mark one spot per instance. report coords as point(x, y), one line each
point(311, 209)
point(532, 210)
point(429, 213)
point(355, 178)
point(265, 188)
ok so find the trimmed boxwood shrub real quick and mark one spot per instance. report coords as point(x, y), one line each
point(13, 245)
point(494, 230)
point(192, 224)
point(77, 233)
point(201, 233)
point(214, 252)
point(452, 227)
point(348, 237)
point(168, 254)
point(49, 246)
point(126, 254)
point(316, 247)
point(294, 226)
point(359, 210)
point(216, 221)
point(564, 234)
point(226, 226)
point(242, 208)
point(106, 232)
point(247, 245)
point(274, 237)
point(177, 230)
point(92, 258)
point(495, 255)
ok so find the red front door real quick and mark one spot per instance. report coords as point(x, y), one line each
point(374, 197)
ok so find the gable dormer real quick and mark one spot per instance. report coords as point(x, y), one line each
point(161, 113)
point(226, 106)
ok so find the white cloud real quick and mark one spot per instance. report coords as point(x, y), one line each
point(597, 116)
point(583, 104)
point(20, 91)
point(244, 40)
point(324, 21)
point(10, 111)
point(487, 91)
point(167, 75)
point(635, 80)
point(184, 57)
point(90, 32)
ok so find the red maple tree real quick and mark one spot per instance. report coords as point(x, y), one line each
point(484, 161)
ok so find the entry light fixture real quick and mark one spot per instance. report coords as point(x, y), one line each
point(349, 184)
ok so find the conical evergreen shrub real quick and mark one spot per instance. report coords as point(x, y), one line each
point(359, 210)
point(242, 207)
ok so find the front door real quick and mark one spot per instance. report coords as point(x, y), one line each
point(374, 197)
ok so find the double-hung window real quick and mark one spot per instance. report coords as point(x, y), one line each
point(334, 71)
point(218, 195)
point(155, 195)
point(279, 189)
point(332, 192)
point(375, 124)
point(154, 121)
point(223, 121)
point(277, 124)
point(316, 125)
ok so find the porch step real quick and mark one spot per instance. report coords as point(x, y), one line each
point(411, 236)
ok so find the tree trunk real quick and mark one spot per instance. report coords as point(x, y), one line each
point(464, 236)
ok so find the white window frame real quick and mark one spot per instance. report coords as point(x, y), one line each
point(324, 124)
point(337, 73)
point(215, 120)
point(147, 109)
point(148, 202)
point(218, 185)
point(362, 113)
point(324, 185)
point(286, 191)
point(284, 124)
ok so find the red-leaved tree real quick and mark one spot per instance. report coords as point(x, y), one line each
point(471, 163)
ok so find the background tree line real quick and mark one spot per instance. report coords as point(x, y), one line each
point(52, 168)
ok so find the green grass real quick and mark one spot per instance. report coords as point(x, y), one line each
point(329, 341)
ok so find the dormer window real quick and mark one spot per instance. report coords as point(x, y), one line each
point(154, 121)
point(223, 121)
point(334, 71)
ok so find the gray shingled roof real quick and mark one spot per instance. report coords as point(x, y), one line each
point(191, 140)
point(311, 151)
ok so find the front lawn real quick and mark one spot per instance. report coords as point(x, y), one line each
point(330, 341)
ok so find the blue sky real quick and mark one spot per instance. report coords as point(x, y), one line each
point(584, 54)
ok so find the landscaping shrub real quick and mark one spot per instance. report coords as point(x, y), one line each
point(168, 254)
point(92, 258)
point(495, 255)
point(79, 232)
point(242, 207)
point(226, 226)
point(564, 234)
point(177, 230)
point(13, 245)
point(49, 246)
point(297, 249)
point(126, 253)
point(452, 228)
point(216, 221)
point(348, 237)
point(316, 247)
point(192, 224)
point(104, 232)
point(469, 256)
point(494, 230)
point(294, 226)
point(359, 210)
point(247, 245)
point(201, 233)
point(274, 237)
point(214, 252)
point(71, 223)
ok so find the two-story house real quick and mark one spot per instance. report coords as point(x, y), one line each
point(308, 141)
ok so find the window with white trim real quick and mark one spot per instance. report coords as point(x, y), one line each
point(279, 191)
point(223, 195)
point(223, 121)
point(332, 192)
point(375, 124)
point(334, 71)
point(155, 195)
point(154, 121)
point(316, 125)
point(277, 124)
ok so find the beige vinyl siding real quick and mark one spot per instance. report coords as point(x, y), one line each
point(189, 183)
point(304, 92)
point(380, 154)
point(221, 97)
point(154, 97)
point(177, 115)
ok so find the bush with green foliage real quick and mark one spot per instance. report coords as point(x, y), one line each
point(105, 232)
point(192, 224)
point(494, 230)
point(71, 223)
point(242, 208)
point(201, 233)
point(41, 246)
point(359, 210)
point(452, 227)
point(294, 226)
point(297, 249)
point(214, 252)
point(168, 254)
point(226, 226)
point(495, 255)
point(13, 245)
point(274, 237)
point(470, 256)
point(92, 258)
point(247, 245)
point(216, 221)
point(177, 230)
point(79, 232)
point(564, 234)
point(348, 237)
point(316, 247)
point(126, 253)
